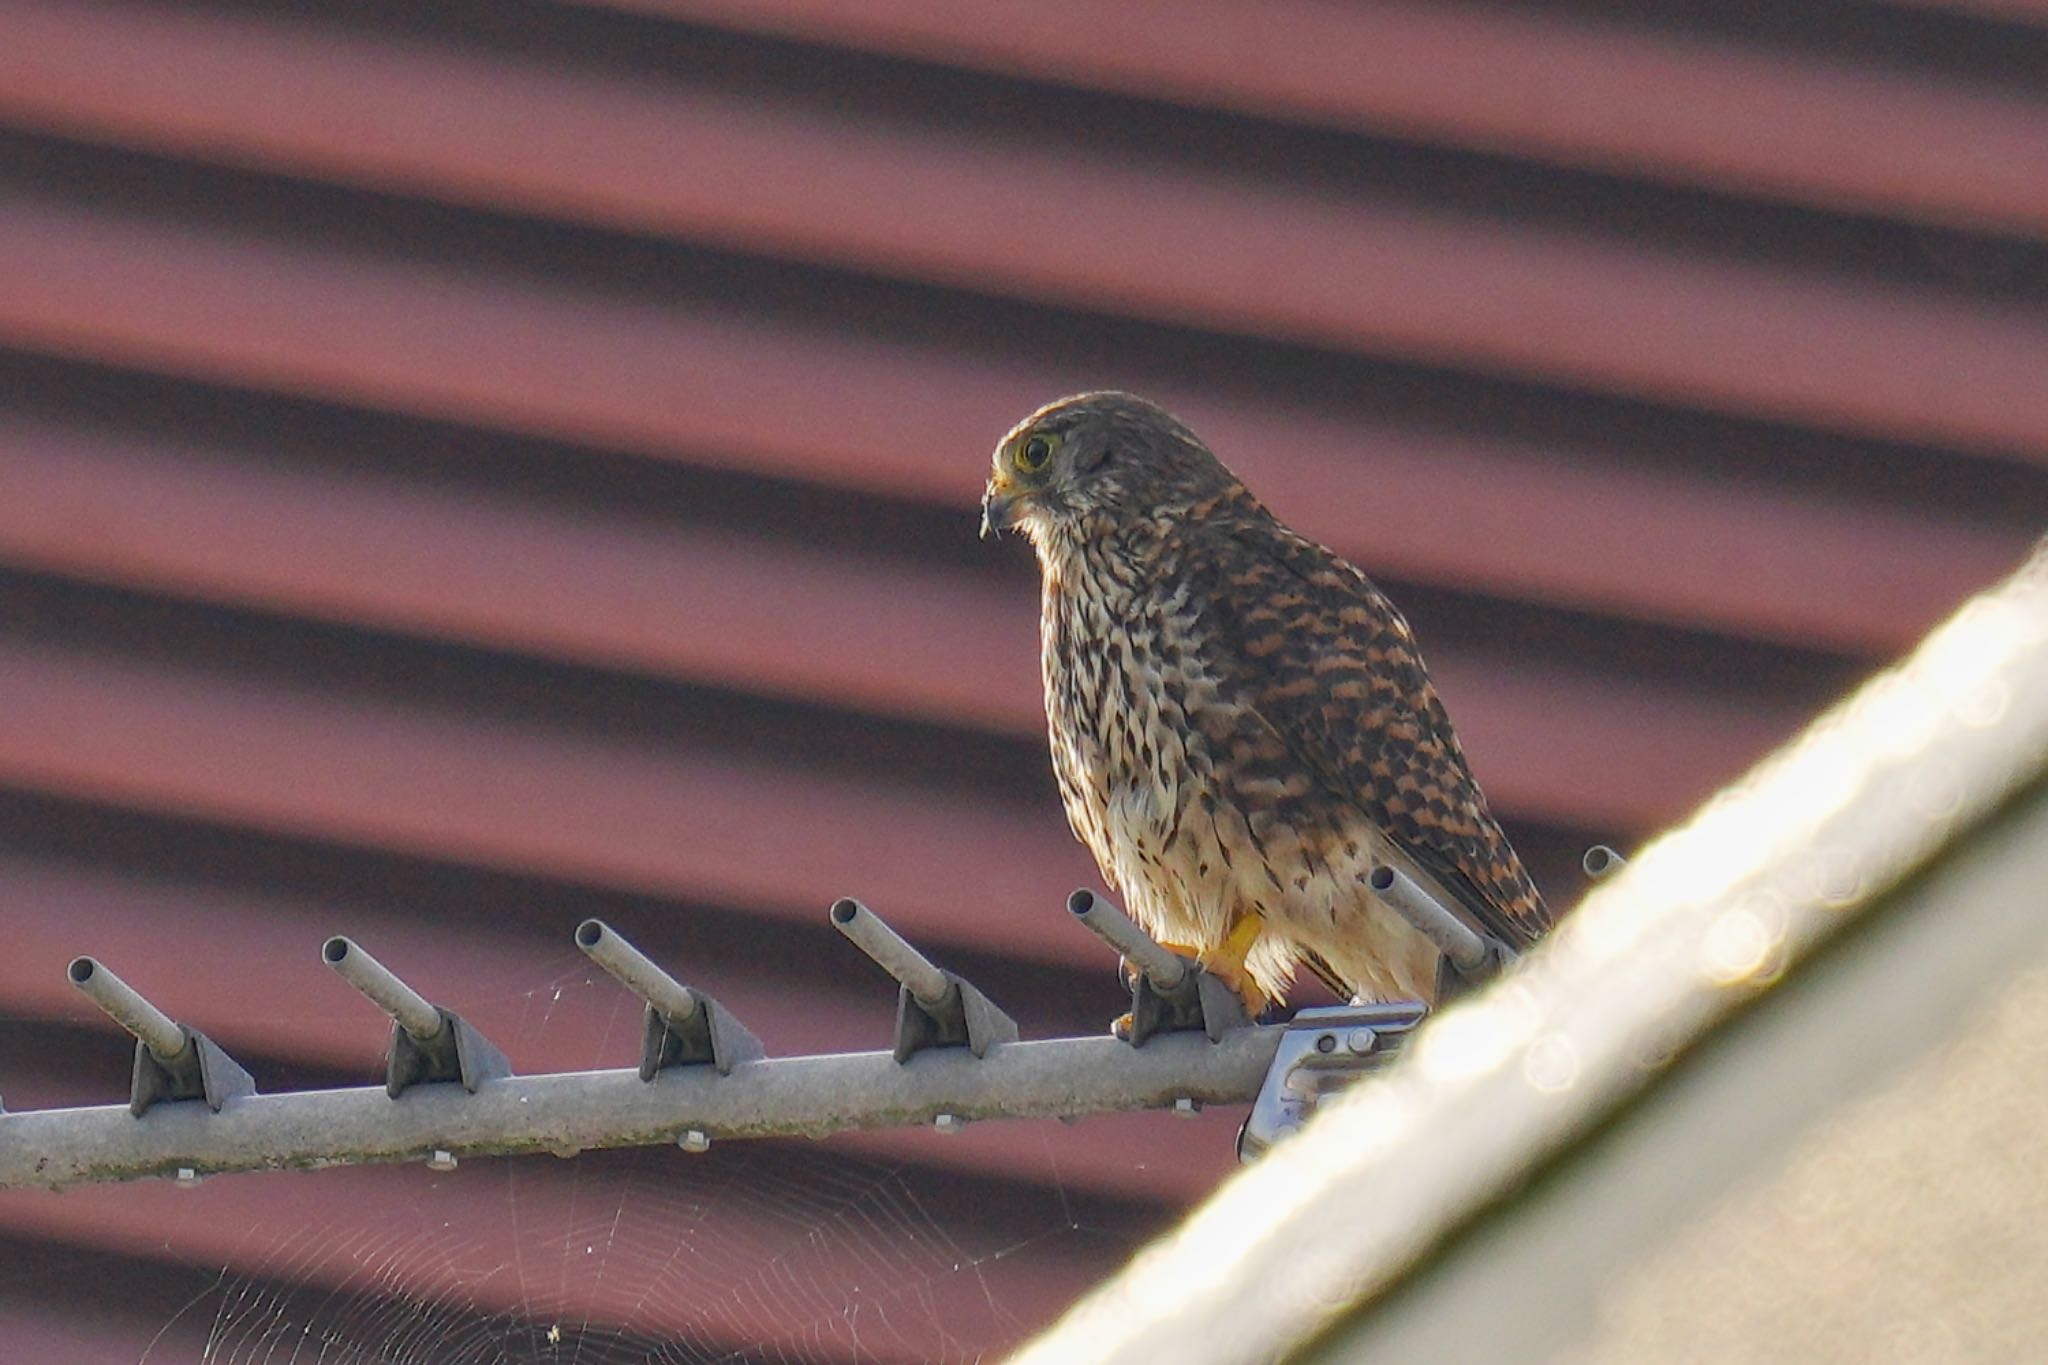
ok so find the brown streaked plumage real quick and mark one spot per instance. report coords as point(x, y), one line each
point(1241, 724)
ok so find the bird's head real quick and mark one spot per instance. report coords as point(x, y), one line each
point(1096, 460)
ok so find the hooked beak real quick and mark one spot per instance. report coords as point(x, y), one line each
point(998, 512)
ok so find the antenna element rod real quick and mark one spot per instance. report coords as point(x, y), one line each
point(411, 1009)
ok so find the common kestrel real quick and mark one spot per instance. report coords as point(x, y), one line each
point(1241, 726)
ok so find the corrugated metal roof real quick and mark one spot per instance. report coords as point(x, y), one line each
point(465, 470)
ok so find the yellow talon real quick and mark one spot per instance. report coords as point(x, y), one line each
point(1226, 960)
point(1237, 944)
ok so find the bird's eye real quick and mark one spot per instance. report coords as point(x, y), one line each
point(1035, 451)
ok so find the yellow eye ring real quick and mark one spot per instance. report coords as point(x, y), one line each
point(1034, 450)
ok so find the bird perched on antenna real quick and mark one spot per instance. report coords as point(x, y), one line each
point(1241, 726)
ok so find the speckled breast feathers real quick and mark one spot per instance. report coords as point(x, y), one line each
point(1240, 721)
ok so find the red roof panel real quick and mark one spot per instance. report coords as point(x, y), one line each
point(471, 469)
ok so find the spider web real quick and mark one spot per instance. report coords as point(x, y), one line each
point(756, 1251)
point(756, 1254)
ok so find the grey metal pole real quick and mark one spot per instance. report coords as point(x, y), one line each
point(788, 1096)
point(414, 1013)
point(634, 970)
point(1163, 969)
point(157, 1030)
point(1453, 938)
point(1601, 861)
point(894, 956)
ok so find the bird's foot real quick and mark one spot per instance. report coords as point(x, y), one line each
point(1226, 962)
point(1128, 970)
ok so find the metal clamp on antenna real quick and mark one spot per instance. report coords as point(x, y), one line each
point(934, 1008)
point(681, 1026)
point(1322, 1052)
point(1469, 957)
point(1169, 993)
point(428, 1043)
point(172, 1062)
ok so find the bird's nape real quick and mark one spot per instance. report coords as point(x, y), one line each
point(1105, 455)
